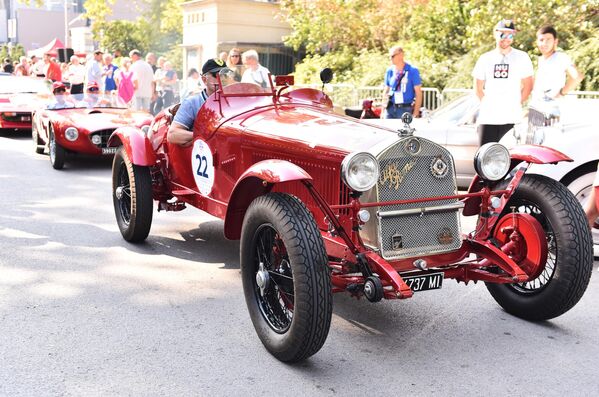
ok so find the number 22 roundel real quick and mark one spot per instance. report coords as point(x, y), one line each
point(202, 166)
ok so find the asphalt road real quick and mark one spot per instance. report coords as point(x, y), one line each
point(83, 313)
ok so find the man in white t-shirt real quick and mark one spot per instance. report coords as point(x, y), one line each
point(556, 74)
point(502, 81)
point(144, 75)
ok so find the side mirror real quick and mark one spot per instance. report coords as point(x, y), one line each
point(326, 75)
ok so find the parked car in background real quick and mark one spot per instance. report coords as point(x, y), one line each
point(82, 124)
point(324, 204)
point(568, 125)
point(19, 97)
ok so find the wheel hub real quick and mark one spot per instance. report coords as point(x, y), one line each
point(119, 192)
point(530, 250)
point(262, 278)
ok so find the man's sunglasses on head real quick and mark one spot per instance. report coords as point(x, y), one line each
point(93, 89)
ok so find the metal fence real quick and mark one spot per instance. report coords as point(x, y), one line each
point(347, 95)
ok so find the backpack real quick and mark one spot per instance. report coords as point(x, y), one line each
point(126, 88)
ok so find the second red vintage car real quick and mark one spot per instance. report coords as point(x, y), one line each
point(82, 124)
point(19, 97)
point(323, 203)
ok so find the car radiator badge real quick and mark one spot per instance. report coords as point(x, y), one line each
point(396, 242)
point(445, 236)
point(439, 167)
point(394, 175)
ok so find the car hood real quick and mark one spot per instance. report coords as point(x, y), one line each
point(316, 128)
point(103, 119)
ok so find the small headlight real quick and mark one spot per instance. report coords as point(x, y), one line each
point(492, 161)
point(145, 129)
point(96, 139)
point(71, 134)
point(360, 171)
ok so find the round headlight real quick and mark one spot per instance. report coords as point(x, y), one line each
point(492, 161)
point(145, 129)
point(360, 171)
point(71, 134)
point(96, 139)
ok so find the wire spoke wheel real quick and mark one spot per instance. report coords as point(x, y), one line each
point(285, 275)
point(275, 295)
point(565, 275)
point(131, 197)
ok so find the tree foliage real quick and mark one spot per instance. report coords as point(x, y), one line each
point(443, 38)
point(159, 29)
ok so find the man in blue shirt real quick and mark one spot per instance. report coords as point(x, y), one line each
point(181, 129)
point(403, 87)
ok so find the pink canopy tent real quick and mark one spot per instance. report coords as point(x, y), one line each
point(50, 48)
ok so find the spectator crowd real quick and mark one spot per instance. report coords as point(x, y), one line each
point(147, 83)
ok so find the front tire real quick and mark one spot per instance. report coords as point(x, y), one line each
point(569, 264)
point(57, 152)
point(37, 145)
point(285, 274)
point(132, 197)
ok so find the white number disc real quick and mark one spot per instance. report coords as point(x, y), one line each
point(202, 166)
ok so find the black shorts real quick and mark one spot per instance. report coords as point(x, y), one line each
point(492, 132)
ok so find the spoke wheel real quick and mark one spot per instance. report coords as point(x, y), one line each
point(274, 280)
point(132, 197)
point(565, 275)
point(57, 152)
point(285, 276)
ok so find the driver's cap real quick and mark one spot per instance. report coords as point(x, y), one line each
point(213, 65)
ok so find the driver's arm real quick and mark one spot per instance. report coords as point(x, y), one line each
point(180, 132)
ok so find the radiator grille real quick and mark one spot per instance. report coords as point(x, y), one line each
point(404, 175)
point(104, 135)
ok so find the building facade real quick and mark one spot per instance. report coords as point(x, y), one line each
point(34, 26)
point(213, 26)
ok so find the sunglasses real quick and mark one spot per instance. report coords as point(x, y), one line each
point(93, 89)
point(506, 36)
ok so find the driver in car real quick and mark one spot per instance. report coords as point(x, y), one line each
point(60, 97)
point(92, 97)
point(180, 131)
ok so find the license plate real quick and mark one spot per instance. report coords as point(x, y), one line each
point(424, 282)
point(109, 150)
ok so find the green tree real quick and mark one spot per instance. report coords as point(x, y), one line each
point(443, 38)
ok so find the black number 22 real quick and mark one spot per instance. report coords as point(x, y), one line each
point(202, 161)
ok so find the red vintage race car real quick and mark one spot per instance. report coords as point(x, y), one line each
point(324, 203)
point(82, 124)
point(19, 97)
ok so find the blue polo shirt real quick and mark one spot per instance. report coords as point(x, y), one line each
point(189, 109)
point(405, 92)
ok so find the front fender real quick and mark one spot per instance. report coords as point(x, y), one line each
point(136, 144)
point(256, 181)
point(533, 154)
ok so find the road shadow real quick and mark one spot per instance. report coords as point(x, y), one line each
point(16, 135)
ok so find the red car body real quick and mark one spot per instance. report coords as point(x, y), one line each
point(257, 158)
point(19, 97)
point(51, 125)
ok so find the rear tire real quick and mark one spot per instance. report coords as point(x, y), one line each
point(57, 152)
point(570, 252)
point(132, 197)
point(285, 274)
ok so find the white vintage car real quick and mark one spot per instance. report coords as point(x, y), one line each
point(569, 126)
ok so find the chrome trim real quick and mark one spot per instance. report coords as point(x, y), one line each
point(424, 210)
